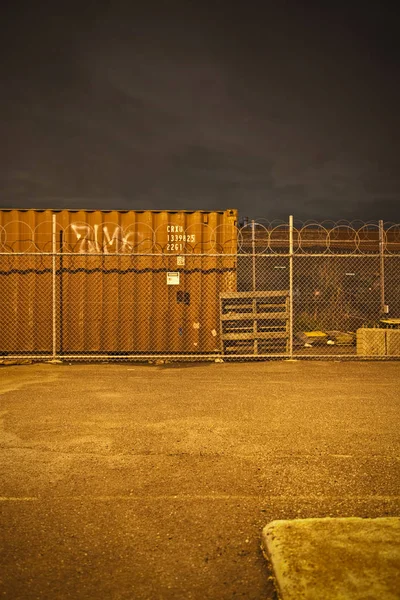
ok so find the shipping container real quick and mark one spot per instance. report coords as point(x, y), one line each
point(114, 282)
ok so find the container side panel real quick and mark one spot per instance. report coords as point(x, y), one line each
point(113, 291)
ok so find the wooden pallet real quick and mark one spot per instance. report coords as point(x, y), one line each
point(254, 322)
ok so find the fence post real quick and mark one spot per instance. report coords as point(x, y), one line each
point(382, 267)
point(54, 301)
point(253, 250)
point(291, 286)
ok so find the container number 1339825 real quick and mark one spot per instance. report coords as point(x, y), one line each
point(177, 238)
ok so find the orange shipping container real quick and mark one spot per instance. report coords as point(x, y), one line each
point(124, 282)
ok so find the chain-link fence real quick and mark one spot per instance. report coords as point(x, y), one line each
point(286, 290)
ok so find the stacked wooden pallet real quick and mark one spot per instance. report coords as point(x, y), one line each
point(254, 322)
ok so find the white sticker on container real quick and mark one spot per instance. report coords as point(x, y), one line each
point(173, 278)
point(196, 325)
point(213, 332)
point(180, 261)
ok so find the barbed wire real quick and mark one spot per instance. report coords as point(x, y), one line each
point(256, 236)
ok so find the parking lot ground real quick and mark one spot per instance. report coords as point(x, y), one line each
point(152, 482)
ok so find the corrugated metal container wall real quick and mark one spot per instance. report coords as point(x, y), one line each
point(26, 309)
point(112, 294)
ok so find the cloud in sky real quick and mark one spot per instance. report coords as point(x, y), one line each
point(294, 113)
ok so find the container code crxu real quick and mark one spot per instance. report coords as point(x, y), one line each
point(177, 238)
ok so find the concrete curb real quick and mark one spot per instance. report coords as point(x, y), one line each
point(335, 559)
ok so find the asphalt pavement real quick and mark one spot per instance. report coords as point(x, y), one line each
point(155, 482)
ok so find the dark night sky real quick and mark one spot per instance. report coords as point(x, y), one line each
point(272, 108)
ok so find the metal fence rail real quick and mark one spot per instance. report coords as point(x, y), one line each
point(286, 290)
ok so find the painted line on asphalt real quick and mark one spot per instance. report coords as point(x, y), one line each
point(196, 497)
point(18, 499)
